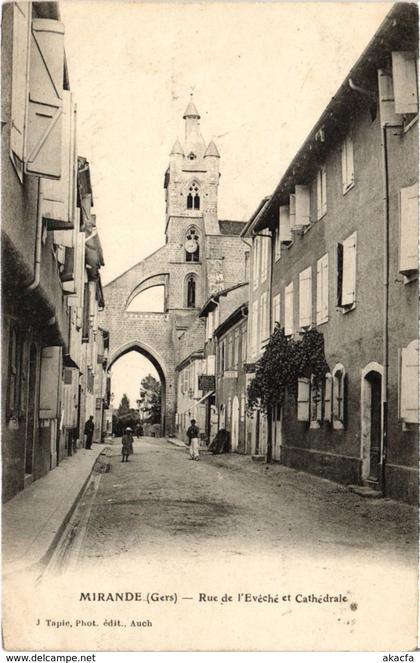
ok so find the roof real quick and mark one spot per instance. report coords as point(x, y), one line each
point(197, 354)
point(233, 318)
point(228, 227)
point(177, 148)
point(212, 301)
point(255, 216)
point(191, 111)
point(398, 31)
point(212, 150)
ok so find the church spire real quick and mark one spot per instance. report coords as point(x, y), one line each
point(192, 125)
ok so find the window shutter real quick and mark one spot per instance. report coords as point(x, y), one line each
point(319, 193)
point(44, 129)
point(409, 397)
point(20, 61)
point(57, 195)
point(68, 374)
point(211, 365)
point(302, 193)
point(276, 310)
point(324, 309)
point(305, 298)
point(349, 271)
point(288, 310)
point(292, 211)
point(50, 380)
point(328, 398)
point(409, 229)
point(68, 273)
point(339, 273)
point(285, 234)
point(319, 291)
point(349, 160)
point(386, 101)
point(344, 165)
point(324, 189)
point(303, 399)
point(404, 76)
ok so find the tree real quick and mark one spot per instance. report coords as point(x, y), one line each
point(151, 399)
point(124, 417)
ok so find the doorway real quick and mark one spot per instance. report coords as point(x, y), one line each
point(371, 424)
point(32, 411)
point(277, 431)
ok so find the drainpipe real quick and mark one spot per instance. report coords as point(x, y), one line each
point(38, 244)
point(385, 173)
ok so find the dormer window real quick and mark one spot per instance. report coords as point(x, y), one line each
point(193, 198)
point(191, 156)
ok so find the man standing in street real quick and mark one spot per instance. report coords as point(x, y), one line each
point(192, 434)
point(89, 427)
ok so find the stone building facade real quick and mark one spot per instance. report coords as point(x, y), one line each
point(201, 255)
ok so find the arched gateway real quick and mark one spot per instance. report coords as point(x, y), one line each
point(201, 256)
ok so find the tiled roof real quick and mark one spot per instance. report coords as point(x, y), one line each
point(231, 227)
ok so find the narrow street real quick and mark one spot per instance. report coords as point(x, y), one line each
point(162, 501)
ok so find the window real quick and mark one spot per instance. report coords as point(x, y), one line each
point(303, 399)
point(322, 290)
point(339, 396)
point(321, 192)
point(210, 324)
point(305, 298)
point(255, 262)
point(264, 332)
point(276, 310)
point(236, 350)
point(346, 273)
point(243, 401)
point(409, 229)
point(409, 384)
point(254, 328)
point(192, 156)
point(265, 249)
point(222, 357)
point(316, 404)
point(288, 310)
point(193, 198)
point(292, 211)
point(347, 163)
point(277, 245)
point(191, 284)
point(192, 245)
point(229, 361)
point(303, 205)
point(328, 389)
point(244, 344)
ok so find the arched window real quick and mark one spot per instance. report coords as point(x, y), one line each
point(339, 396)
point(191, 291)
point(192, 246)
point(193, 198)
point(191, 156)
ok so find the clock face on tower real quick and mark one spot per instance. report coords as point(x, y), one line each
point(191, 246)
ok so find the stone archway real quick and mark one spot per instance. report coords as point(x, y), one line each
point(162, 371)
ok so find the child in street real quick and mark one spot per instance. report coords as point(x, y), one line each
point(192, 434)
point(127, 444)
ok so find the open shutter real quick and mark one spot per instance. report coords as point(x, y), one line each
point(349, 160)
point(285, 234)
point(44, 128)
point(409, 396)
point(349, 271)
point(319, 291)
point(388, 116)
point(404, 77)
point(324, 189)
point(292, 211)
point(409, 229)
point(68, 272)
point(324, 309)
point(303, 205)
point(328, 398)
point(288, 310)
point(339, 259)
point(57, 195)
point(50, 381)
point(303, 399)
point(305, 298)
point(211, 365)
point(20, 62)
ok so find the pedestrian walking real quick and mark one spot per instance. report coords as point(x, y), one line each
point(127, 444)
point(193, 443)
point(89, 428)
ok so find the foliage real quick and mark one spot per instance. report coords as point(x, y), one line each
point(124, 416)
point(283, 362)
point(151, 399)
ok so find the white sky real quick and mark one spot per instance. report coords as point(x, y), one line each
point(262, 74)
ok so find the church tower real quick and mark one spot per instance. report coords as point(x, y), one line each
point(191, 182)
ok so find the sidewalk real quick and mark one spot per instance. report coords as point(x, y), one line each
point(33, 520)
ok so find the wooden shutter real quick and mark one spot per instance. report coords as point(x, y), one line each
point(50, 381)
point(276, 310)
point(303, 399)
point(409, 383)
point(350, 160)
point(305, 298)
point(292, 211)
point(303, 205)
point(57, 195)
point(322, 289)
point(409, 229)
point(404, 77)
point(321, 192)
point(349, 271)
point(388, 116)
point(339, 260)
point(285, 234)
point(288, 310)
point(19, 101)
point(328, 398)
point(324, 189)
point(44, 128)
point(211, 365)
